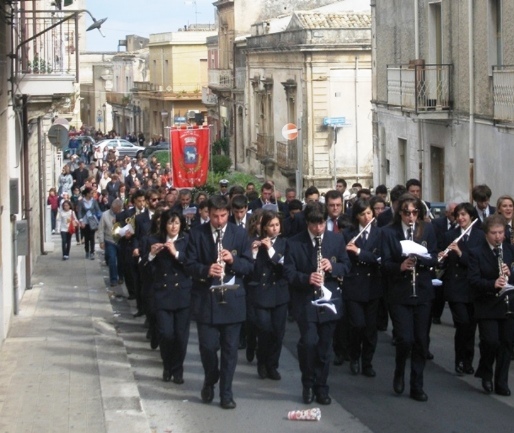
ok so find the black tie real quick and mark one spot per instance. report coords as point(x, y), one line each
point(496, 251)
point(364, 238)
point(218, 236)
point(465, 238)
point(409, 234)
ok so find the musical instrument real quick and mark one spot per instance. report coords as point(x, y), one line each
point(118, 233)
point(413, 257)
point(354, 239)
point(318, 292)
point(505, 290)
point(222, 287)
point(464, 233)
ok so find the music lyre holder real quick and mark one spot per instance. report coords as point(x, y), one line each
point(221, 289)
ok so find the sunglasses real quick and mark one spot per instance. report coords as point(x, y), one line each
point(413, 212)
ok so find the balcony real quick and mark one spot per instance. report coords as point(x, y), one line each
point(422, 89)
point(503, 93)
point(46, 58)
point(208, 98)
point(287, 157)
point(220, 79)
point(265, 148)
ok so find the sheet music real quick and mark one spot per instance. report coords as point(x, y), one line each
point(228, 285)
point(505, 289)
point(323, 302)
point(412, 248)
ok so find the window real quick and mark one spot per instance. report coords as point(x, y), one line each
point(495, 30)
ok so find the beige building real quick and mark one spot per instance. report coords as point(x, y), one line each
point(442, 95)
point(177, 71)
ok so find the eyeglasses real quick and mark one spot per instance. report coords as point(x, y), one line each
point(413, 212)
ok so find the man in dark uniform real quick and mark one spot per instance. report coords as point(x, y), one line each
point(315, 259)
point(218, 251)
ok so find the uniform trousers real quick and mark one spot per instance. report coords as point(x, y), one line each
point(362, 317)
point(411, 324)
point(173, 328)
point(496, 337)
point(212, 338)
point(271, 327)
point(465, 330)
point(314, 353)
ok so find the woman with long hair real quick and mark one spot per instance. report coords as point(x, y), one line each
point(505, 208)
point(172, 293)
point(362, 287)
point(268, 294)
point(88, 214)
point(456, 284)
point(410, 289)
point(65, 217)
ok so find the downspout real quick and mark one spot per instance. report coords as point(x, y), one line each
point(26, 191)
point(356, 121)
point(472, 141)
point(310, 146)
point(416, 29)
point(420, 155)
point(42, 204)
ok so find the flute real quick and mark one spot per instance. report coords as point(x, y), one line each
point(464, 233)
point(354, 239)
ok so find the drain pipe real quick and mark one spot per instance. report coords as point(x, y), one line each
point(356, 120)
point(472, 141)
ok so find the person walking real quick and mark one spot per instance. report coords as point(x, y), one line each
point(106, 241)
point(67, 223)
point(88, 212)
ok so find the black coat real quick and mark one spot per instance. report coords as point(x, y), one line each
point(201, 253)
point(267, 286)
point(483, 271)
point(400, 282)
point(364, 281)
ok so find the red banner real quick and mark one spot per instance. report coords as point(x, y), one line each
point(189, 156)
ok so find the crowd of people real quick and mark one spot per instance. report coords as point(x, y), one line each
point(241, 262)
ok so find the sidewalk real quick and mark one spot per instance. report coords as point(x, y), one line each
point(62, 367)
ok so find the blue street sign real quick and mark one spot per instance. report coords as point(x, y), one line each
point(334, 121)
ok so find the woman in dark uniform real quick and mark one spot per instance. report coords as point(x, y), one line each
point(489, 273)
point(172, 293)
point(456, 285)
point(410, 290)
point(362, 287)
point(269, 294)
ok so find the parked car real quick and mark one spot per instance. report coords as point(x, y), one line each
point(124, 147)
point(163, 145)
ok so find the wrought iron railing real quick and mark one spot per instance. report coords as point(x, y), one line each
point(287, 155)
point(503, 93)
point(420, 88)
point(265, 147)
point(221, 78)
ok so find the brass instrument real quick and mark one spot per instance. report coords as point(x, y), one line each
point(222, 287)
point(464, 233)
point(502, 274)
point(117, 233)
point(354, 239)
point(412, 256)
point(319, 257)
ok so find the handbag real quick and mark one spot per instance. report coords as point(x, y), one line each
point(92, 221)
point(71, 226)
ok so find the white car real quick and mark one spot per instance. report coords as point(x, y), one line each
point(122, 147)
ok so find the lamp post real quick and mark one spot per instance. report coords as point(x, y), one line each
point(103, 106)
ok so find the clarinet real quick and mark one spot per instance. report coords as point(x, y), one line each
point(317, 292)
point(414, 294)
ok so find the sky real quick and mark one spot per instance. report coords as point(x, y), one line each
point(142, 17)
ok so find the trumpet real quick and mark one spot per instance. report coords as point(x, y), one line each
point(464, 233)
point(414, 294)
point(354, 239)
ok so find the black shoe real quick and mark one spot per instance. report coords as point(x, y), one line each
point(166, 375)
point(418, 395)
point(154, 340)
point(338, 360)
point(369, 372)
point(355, 368)
point(459, 368)
point(502, 391)
point(207, 393)
point(273, 374)
point(487, 385)
point(436, 320)
point(468, 369)
point(398, 383)
point(250, 353)
point(139, 313)
point(178, 379)
point(307, 395)
point(430, 355)
point(323, 399)
point(228, 404)
point(261, 371)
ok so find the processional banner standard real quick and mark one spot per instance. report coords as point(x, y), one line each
point(189, 156)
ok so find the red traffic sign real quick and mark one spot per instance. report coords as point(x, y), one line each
point(290, 131)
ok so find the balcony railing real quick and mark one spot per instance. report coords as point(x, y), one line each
point(265, 147)
point(221, 78)
point(287, 159)
point(208, 98)
point(419, 88)
point(503, 93)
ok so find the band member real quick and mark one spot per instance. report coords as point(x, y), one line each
point(315, 260)
point(362, 287)
point(171, 293)
point(481, 196)
point(410, 290)
point(218, 252)
point(489, 273)
point(505, 208)
point(456, 285)
point(269, 294)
